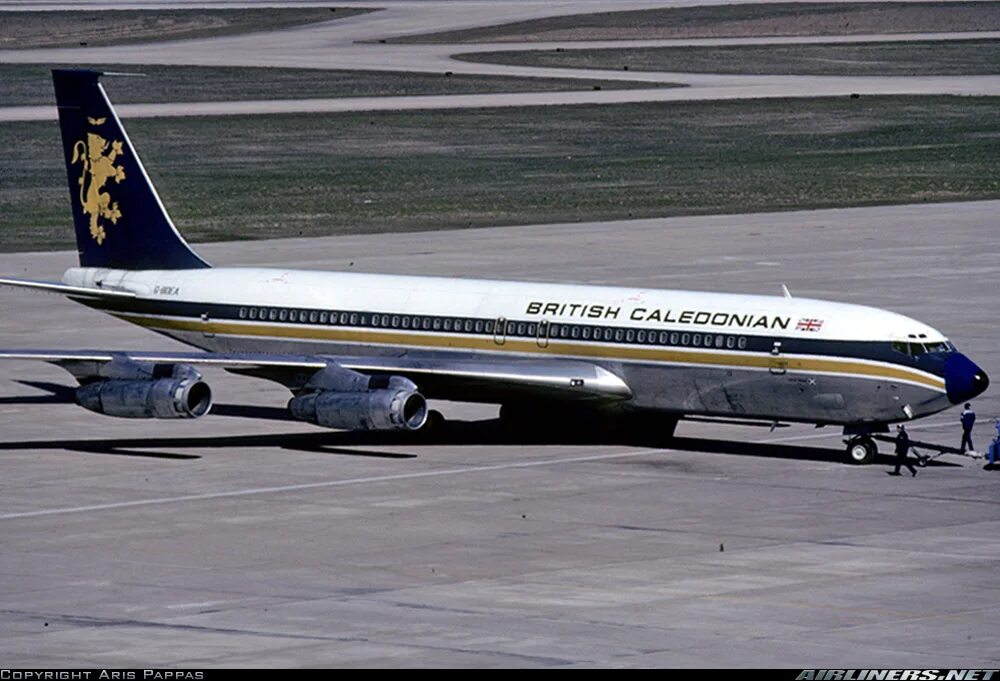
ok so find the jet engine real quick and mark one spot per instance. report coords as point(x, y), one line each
point(346, 400)
point(181, 395)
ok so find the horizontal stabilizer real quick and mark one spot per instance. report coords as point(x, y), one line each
point(65, 289)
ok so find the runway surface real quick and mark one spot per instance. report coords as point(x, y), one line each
point(235, 541)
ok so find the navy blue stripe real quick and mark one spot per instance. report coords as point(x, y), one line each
point(881, 351)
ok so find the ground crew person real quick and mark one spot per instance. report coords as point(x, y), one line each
point(902, 447)
point(994, 452)
point(968, 420)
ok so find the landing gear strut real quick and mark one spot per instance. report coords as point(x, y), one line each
point(861, 450)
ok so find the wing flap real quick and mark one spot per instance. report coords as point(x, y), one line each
point(481, 381)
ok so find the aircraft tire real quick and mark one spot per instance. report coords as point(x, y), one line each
point(861, 451)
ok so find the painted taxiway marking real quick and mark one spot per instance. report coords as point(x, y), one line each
point(385, 478)
point(326, 484)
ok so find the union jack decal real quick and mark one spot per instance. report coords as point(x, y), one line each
point(809, 325)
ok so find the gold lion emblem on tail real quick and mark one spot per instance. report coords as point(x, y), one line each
point(98, 158)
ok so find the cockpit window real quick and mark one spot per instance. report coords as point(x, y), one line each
point(917, 349)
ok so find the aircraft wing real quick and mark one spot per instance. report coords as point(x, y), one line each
point(460, 380)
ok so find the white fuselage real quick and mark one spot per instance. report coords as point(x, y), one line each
point(679, 351)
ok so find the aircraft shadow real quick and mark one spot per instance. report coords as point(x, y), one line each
point(56, 394)
point(453, 432)
point(372, 444)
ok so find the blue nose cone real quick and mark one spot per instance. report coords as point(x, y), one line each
point(963, 379)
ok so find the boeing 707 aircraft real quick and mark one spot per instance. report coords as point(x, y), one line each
point(364, 351)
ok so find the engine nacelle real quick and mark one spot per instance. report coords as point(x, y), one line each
point(396, 408)
point(183, 396)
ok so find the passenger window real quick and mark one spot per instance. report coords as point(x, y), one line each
point(395, 321)
point(489, 326)
point(344, 317)
point(585, 332)
point(354, 319)
point(272, 314)
point(253, 313)
point(243, 313)
point(323, 317)
point(293, 315)
point(282, 314)
point(696, 340)
point(685, 338)
point(521, 328)
point(619, 335)
point(468, 326)
point(640, 336)
point(730, 342)
point(708, 340)
point(437, 323)
point(447, 325)
point(406, 322)
point(674, 338)
point(575, 332)
point(742, 343)
point(629, 335)
point(564, 331)
point(664, 337)
point(375, 320)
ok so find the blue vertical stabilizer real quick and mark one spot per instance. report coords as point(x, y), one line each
point(120, 221)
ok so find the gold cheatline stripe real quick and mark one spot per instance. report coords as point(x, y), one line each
point(519, 345)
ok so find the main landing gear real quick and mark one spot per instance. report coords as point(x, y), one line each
point(861, 450)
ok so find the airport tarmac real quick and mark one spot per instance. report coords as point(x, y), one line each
point(233, 541)
point(244, 540)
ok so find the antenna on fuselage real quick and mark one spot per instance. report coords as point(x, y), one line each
point(785, 292)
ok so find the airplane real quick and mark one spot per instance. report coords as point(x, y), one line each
point(366, 351)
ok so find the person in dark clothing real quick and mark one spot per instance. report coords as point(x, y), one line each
point(968, 420)
point(902, 447)
point(993, 451)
